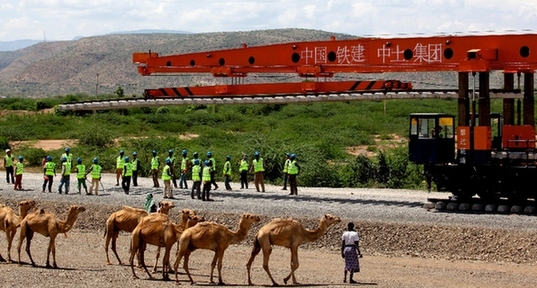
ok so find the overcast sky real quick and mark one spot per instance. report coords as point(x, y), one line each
point(67, 19)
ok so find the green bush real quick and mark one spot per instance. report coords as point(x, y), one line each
point(97, 136)
point(32, 156)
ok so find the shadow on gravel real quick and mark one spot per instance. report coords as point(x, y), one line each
point(309, 198)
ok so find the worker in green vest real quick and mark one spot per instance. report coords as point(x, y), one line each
point(155, 166)
point(285, 170)
point(49, 171)
point(135, 162)
point(206, 178)
point(213, 169)
point(167, 178)
point(120, 165)
point(127, 174)
point(196, 179)
point(95, 173)
point(294, 170)
point(185, 165)
point(18, 174)
point(68, 155)
point(258, 168)
point(173, 167)
point(243, 170)
point(227, 172)
point(66, 176)
point(8, 165)
point(80, 170)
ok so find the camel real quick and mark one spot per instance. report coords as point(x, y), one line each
point(10, 222)
point(188, 219)
point(157, 229)
point(287, 233)
point(212, 236)
point(126, 219)
point(48, 225)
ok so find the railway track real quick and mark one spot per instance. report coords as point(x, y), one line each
point(477, 205)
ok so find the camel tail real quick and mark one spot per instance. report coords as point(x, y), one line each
point(256, 243)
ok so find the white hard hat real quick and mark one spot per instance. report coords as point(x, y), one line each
point(8, 150)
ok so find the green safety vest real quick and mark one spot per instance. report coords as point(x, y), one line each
point(154, 162)
point(244, 165)
point(214, 163)
point(293, 169)
point(127, 170)
point(81, 174)
point(67, 168)
point(227, 168)
point(258, 165)
point(172, 160)
point(20, 166)
point(9, 160)
point(165, 175)
point(206, 176)
point(68, 157)
point(134, 163)
point(286, 165)
point(50, 166)
point(183, 163)
point(120, 162)
point(95, 171)
point(196, 173)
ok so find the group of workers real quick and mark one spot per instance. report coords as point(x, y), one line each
point(201, 172)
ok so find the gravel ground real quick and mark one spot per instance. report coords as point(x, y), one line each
point(397, 233)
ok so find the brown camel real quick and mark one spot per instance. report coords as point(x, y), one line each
point(10, 222)
point(212, 236)
point(159, 230)
point(188, 219)
point(287, 233)
point(48, 225)
point(126, 219)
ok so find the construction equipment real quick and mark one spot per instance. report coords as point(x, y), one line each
point(477, 152)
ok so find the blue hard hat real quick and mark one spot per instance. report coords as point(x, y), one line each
point(196, 162)
point(256, 153)
point(126, 158)
point(184, 152)
point(209, 154)
point(293, 155)
point(207, 163)
point(134, 153)
point(170, 151)
point(168, 161)
point(195, 154)
point(67, 149)
point(154, 151)
point(79, 160)
point(49, 158)
point(95, 160)
point(288, 154)
point(228, 157)
point(121, 152)
point(64, 159)
point(20, 158)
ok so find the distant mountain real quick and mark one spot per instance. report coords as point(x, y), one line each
point(17, 44)
point(151, 31)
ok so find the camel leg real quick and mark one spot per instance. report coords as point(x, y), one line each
point(134, 251)
point(10, 238)
point(176, 265)
point(266, 257)
point(29, 237)
point(114, 246)
point(141, 253)
point(294, 266)
point(156, 261)
point(21, 239)
point(254, 253)
point(165, 263)
point(213, 264)
point(51, 248)
point(106, 242)
point(220, 258)
point(185, 266)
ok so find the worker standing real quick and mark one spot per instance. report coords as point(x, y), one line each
point(206, 178)
point(173, 167)
point(95, 172)
point(166, 178)
point(135, 162)
point(49, 171)
point(285, 170)
point(155, 166)
point(66, 175)
point(227, 172)
point(80, 171)
point(258, 168)
point(196, 179)
point(294, 170)
point(243, 169)
point(127, 174)
point(210, 158)
point(68, 155)
point(120, 165)
point(8, 165)
point(185, 165)
point(18, 174)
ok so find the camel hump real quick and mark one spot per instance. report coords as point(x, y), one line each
point(132, 209)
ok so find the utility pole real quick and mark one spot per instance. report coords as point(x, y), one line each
point(97, 87)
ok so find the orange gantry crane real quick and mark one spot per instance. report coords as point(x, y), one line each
point(462, 156)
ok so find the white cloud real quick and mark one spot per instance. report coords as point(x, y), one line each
point(66, 19)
